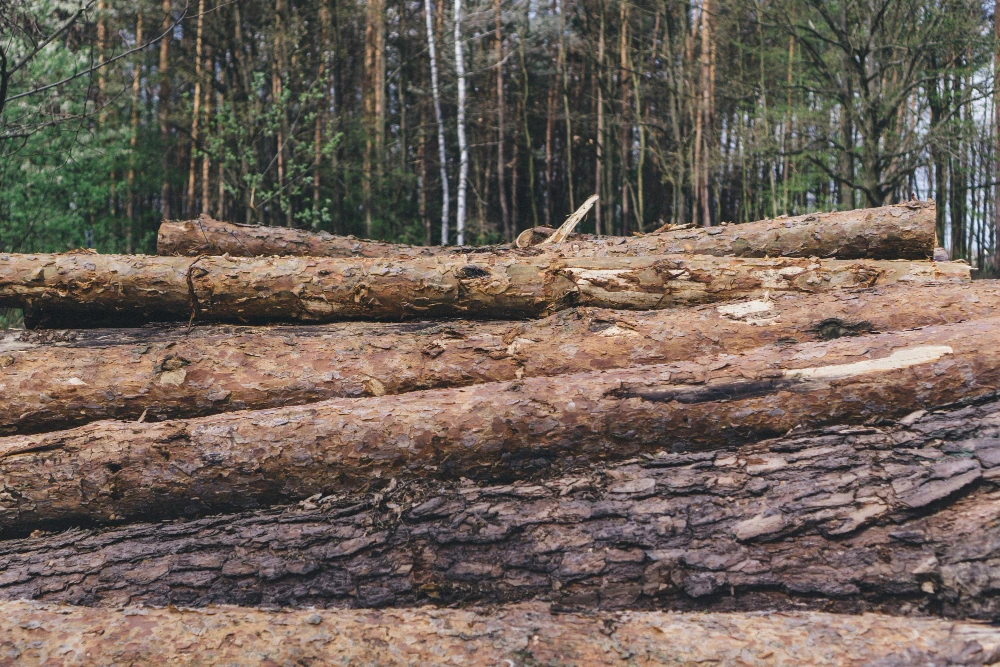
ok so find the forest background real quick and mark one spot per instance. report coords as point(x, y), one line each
point(430, 121)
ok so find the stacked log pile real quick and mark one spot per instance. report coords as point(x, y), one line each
point(659, 438)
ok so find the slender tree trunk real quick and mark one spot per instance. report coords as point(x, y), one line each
point(170, 373)
point(501, 131)
point(374, 102)
point(598, 84)
point(131, 211)
point(501, 635)
point(463, 148)
point(564, 73)
point(206, 191)
point(626, 126)
point(996, 140)
point(189, 199)
point(528, 147)
point(436, 91)
point(164, 105)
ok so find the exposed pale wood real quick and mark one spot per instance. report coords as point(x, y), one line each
point(84, 289)
point(903, 231)
point(493, 431)
point(509, 635)
point(59, 379)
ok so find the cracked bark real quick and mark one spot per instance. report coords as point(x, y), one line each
point(846, 519)
point(60, 379)
point(86, 289)
point(903, 231)
point(524, 634)
point(495, 431)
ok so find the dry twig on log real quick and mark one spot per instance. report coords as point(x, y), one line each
point(490, 431)
point(81, 289)
point(527, 634)
point(902, 231)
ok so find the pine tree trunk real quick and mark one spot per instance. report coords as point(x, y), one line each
point(501, 130)
point(848, 519)
point(904, 231)
point(518, 634)
point(53, 380)
point(497, 431)
point(81, 290)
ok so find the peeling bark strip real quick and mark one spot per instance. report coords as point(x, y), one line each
point(83, 289)
point(51, 380)
point(494, 431)
point(903, 231)
point(848, 519)
point(524, 634)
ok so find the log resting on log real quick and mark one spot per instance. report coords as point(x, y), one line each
point(51, 380)
point(496, 431)
point(82, 289)
point(515, 635)
point(900, 520)
point(902, 231)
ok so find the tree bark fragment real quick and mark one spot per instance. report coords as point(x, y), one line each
point(59, 379)
point(523, 634)
point(495, 431)
point(897, 520)
point(87, 289)
point(902, 231)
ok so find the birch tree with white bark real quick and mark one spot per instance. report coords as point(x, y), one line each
point(436, 93)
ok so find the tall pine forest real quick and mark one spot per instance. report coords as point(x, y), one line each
point(446, 121)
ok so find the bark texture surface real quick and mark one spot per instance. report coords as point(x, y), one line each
point(903, 231)
point(494, 431)
point(59, 379)
point(514, 635)
point(83, 289)
point(903, 520)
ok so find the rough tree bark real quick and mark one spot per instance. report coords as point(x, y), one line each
point(904, 231)
point(901, 520)
point(496, 431)
point(87, 289)
point(522, 634)
point(59, 379)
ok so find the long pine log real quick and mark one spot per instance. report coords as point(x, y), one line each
point(497, 431)
point(84, 289)
point(51, 380)
point(524, 634)
point(899, 519)
point(902, 231)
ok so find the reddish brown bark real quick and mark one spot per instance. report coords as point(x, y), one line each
point(59, 379)
point(903, 231)
point(525, 634)
point(899, 520)
point(84, 289)
point(491, 431)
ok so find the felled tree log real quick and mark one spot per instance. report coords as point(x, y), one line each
point(849, 519)
point(494, 431)
point(903, 231)
point(86, 289)
point(59, 379)
point(525, 634)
